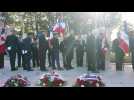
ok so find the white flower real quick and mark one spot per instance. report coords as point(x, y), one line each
point(44, 84)
point(97, 84)
point(60, 84)
point(91, 82)
point(82, 86)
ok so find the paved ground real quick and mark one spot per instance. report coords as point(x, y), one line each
point(111, 77)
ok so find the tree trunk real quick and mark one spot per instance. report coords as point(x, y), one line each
point(36, 24)
point(108, 52)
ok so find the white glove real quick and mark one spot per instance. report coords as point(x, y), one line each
point(9, 48)
point(23, 52)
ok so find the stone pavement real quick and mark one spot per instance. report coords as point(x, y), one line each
point(111, 77)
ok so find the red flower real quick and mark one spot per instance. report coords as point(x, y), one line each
point(57, 82)
point(80, 82)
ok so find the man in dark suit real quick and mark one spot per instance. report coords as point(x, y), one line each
point(43, 46)
point(19, 51)
point(70, 43)
point(101, 51)
point(55, 51)
point(63, 51)
point(131, 45)
point(79, 51)
point(12, 46)
point(35, 58)
point(27, 52)
point(91, 52)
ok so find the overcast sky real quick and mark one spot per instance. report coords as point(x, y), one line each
point(128, 16)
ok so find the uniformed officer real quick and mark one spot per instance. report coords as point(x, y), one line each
point(91, 52)
point(35, 58)
point(43, 46)
point(102, 47)
point(63, 51)
point(50, 48)
point(19, 51)
point(27, 52)
point(12, 46)
point(55, 51)
point(131, 45)
point(79, 51)
point(69, 54)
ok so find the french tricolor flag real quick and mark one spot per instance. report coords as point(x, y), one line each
point(124, 39)
point(59, 27)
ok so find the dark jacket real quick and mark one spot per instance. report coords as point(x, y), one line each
point(131, 43)
point(43, 43)
point(100, 51)
point(55, 44)
point(27, 44)
point(91, 49)
point(12, 41)
point(79, 46)
point(20, 45)
point(70, 44)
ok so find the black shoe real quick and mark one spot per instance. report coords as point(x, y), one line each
point(30, 70)
point(14, 69)
point(59, 68)
point(88, 69)
point(24, 68)
point(43, 69)
point(54, 68)
point(67, 68)
point(19, 66)
point(71, 67)
point(1, 67)
point(96, 71)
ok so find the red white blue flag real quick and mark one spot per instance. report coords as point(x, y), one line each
point(59, 27)
point(124, 39)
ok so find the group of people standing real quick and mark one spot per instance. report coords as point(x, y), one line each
point(36, 48)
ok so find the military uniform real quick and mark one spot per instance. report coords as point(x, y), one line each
point(101, 53)
point(19, 52)
point(27, 53)
point(55, 52)
point(119, 54)
point(12, 46)
point(69, 54)
point(79, 52)
point(50, 52)
point(43, 46)
point(91, 52)
point(35, 59)
point(63, 51)
point(131, 44)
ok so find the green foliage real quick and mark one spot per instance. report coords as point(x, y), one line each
point(82, 22)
